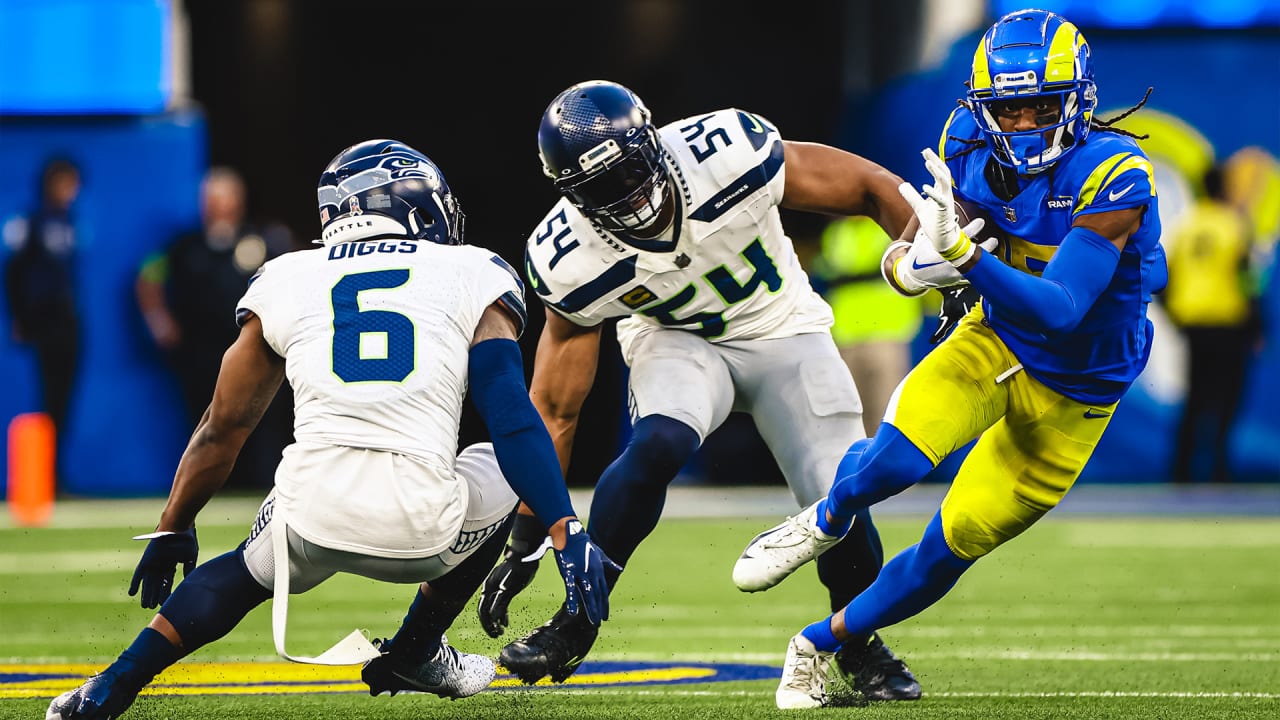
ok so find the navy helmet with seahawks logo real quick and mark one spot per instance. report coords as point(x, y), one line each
point(601, 151)
point(386, 189)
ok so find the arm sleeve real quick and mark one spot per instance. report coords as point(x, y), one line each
point(1057, 300)
point(525, 452)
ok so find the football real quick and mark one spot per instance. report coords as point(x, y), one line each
point(967, 211)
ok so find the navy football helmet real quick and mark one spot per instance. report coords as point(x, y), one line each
point(601, 151)
point(384, 189)
point(1033, 54)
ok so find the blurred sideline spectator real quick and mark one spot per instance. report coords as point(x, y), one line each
point(874, 325)
point(40, 279)
point(188, 294)
point(1212, 297)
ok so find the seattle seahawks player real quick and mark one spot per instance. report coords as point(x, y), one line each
point(380, 333)
point(676, 230)
point(1037, 369)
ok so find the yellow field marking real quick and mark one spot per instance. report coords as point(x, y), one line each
point(265, 678)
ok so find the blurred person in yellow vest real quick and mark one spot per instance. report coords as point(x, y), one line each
point(1212, 297)
point(874, 325)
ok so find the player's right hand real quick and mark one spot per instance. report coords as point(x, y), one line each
point(505, 581)
point(582, 565)
point(159, 563)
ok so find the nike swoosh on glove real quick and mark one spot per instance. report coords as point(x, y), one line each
point(582, 565)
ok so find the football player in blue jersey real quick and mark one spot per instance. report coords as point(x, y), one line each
point(675, 231)
point(1036, 370)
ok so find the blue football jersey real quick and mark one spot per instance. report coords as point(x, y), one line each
point(1097, 360)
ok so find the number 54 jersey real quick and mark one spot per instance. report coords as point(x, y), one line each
point(375, 337)
point(733, 274)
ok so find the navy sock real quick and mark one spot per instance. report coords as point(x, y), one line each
point(852, 564)
point(630, 494)
point(419, 635)
point(212, 600)
point(820, 635)
point(912, 581)
point(150, 653)
point(424, 625)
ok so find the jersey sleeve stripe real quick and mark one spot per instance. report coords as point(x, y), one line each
point(1096, 179)
point(618, 274)
point(515, 305)
point(1111, 177)
point(946, 130)
point(742, 188)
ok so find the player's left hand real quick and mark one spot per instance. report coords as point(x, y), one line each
point(936, 211)
point(582, 565)
point(155, 571)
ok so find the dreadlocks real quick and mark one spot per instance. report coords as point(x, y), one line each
point(1107, 125)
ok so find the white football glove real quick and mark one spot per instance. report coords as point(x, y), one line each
point(936, 211)
point(923, 268)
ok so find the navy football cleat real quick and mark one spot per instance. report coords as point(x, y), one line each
point(876, 673)
point(555, 649)
point(101, 697)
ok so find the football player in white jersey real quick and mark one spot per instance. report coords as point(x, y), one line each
point(676, 230)
point(380, 332)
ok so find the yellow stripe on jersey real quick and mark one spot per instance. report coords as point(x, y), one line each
point(946, 130)
point(1060, 64)
point(1107, 171)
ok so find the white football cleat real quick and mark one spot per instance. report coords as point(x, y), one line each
point(776, 553)
point(804, 676)
point(449, 674)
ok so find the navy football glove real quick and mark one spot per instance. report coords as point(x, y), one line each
point(159, 563)
point(957, 301)
point(582, 565)
point(505, 581)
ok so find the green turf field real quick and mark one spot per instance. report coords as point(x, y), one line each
point(1082, 617)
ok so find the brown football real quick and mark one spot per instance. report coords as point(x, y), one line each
point(966, 211)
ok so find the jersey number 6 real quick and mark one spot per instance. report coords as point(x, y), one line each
point(370, 345)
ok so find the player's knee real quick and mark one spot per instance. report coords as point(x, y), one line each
point(969, 534)
point(208, 603)
point(661, 445)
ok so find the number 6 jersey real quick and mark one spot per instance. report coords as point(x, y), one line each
point(375, 337)
point(733, 274)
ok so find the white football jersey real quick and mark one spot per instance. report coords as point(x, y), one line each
point(375, 337)
point(733, 275)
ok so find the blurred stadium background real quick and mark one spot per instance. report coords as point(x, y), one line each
point(146, 94)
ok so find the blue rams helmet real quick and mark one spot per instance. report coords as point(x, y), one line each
point(601, 151)
point(384, 188)
point(1033, 54)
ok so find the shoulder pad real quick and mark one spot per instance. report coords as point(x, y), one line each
point(1112, 173)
